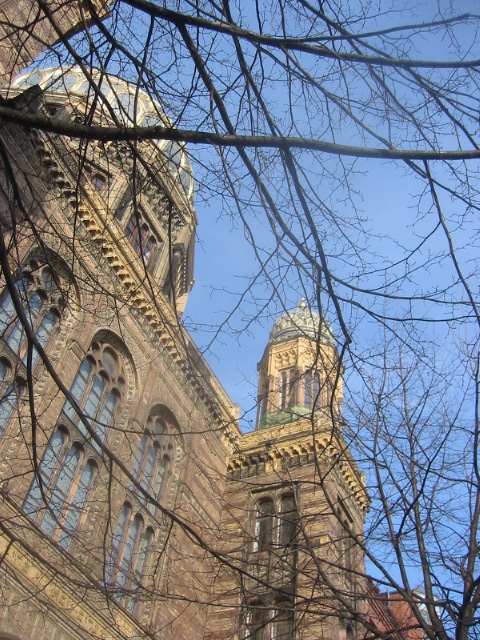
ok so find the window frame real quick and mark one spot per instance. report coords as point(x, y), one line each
point(140, 234)
point(120, 573)
point(53, 518)
point(85, 389)
point(157, 440)
point(35, 286)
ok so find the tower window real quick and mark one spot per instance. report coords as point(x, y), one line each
point(312, 390)
point(286, 389)
point(287, 521)
point(264, 525)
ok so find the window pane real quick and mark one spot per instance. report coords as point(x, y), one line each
point(139, 457)
point(109, 360)
point(8, 402)
point(308, 390)
point(258, 625)
point(94, 397)
point(283, 390)
point(284, 624)
point(162, 475)
point(264, 524)
point(316, 390)
point(46, 468)
point(148, 472)
point(105, 419)
point(78, 388)
point(126, 560)
point(7, 311)
point(43, 333)
point(60, 491)
point(16, 337)
point(45, 328)
point(145, 544)
point(288, 518)
point(117, 543)
point(48, 282)
point(78, 503)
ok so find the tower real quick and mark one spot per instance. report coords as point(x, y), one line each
point(295, 501)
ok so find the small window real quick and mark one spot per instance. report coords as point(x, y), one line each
point(141, 237)
point(99, 181)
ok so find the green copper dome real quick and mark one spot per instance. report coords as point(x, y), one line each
point(302, 321)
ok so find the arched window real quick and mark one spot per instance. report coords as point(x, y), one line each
point(66, 476)
point(97, 389)
point(312, 390)
point(264, 525)
point(42, 302)
point(287, 387)
point(287, 527)
point(153, 459)
point(126, 566)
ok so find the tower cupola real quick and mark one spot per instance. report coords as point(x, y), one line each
point(298, 372)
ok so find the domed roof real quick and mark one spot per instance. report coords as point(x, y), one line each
point(302, 321)
point(131, 105)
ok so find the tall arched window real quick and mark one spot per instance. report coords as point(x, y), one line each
point(66, 475)
point(264, 525)
point(154, 458)
point(126, 566)
point(42, 302)
point(312, 390)
point(287, 527)
point(97, 389)
point(287, 388)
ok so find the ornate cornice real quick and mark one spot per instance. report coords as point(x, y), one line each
point(298, 445)
point(145, 296)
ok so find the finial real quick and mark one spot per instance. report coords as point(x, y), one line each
point(302, 304)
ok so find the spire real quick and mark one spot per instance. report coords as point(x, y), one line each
point(298, 369)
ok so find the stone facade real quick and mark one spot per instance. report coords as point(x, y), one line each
point(131, 505)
